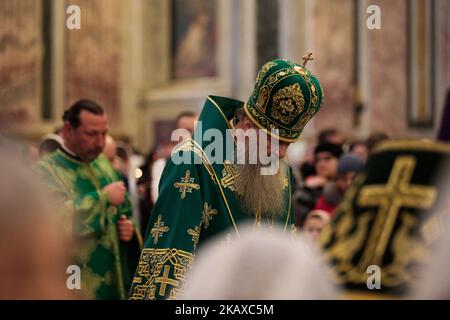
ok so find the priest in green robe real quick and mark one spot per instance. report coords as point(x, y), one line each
point(96, 208)
point(203, 197)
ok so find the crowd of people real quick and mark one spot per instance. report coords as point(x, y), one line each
point(324, 177)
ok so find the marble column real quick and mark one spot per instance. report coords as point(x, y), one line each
point(93, 55)
point(331, 41)
point(386, 49)
point(20, 62)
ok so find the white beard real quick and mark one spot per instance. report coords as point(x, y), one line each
point(260, 194)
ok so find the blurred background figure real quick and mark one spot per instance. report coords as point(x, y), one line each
point(186, 121)
point(359, 149)
point(326, 160)
point(314, 223)
point(33, 246)
point(261, 264)
point(110, 149)
point(330, 135)
point(374, 139)
point(435, 276)
point(435, 283)
point(150, 170)
point(348, 168)
point(126, 163)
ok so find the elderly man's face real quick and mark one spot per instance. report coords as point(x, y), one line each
point(88, 140)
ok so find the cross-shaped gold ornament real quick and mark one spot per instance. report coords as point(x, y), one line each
point(390, 198)
point(195, 234)
point(186, 184)
point(158, 229)
point(307, 57)
point(165, 280)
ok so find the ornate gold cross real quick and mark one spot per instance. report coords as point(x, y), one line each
point(207, 214)
point(390, 198)
point(158, 229)
point(307, 57)
point(186, 185)
point(228, 176)
point(165, 280)
point(195, 234)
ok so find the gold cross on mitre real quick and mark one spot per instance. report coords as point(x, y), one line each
point(186, 184)
point(307, 57)
point(158, 229)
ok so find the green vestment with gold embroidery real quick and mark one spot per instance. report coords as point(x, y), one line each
point(196, 202)
point(107, 264)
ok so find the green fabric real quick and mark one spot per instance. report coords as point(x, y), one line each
point(105, 261)
point(389, 218)
point(181, 222)
point(285, 97)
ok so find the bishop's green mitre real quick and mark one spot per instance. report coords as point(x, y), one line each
point(286, 96)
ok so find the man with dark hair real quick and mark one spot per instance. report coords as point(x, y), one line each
point(326, 158)
point(72, 115)
point(98, 206)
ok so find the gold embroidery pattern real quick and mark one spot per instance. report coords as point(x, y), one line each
point(263, 123)
point(347, 242)
point(389, 201)
point(166, 280)
point(190, 146)
point(293, 229)
point(228, 176)
point(418, 145)
point(195, 234)
point(304, 119)
point(288, 103)
point(158, 229)
point(263, 71)
point(207, 214)
point(285, 182)
point(390, 198)
point(262, 99)
point(405, 249)
point(186, 185)
point(90, 282)
point(155, 268)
